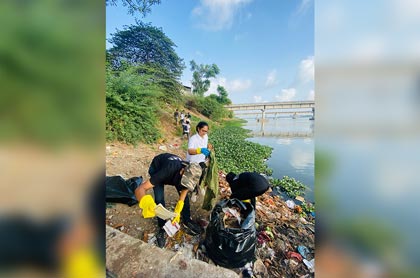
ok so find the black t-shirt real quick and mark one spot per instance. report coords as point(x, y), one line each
point(165, 169)
point(248, 185)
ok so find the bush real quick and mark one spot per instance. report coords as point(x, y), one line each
point(208, 106)
point(131, 107)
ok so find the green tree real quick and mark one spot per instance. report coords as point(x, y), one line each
point(144, 44)
point(141, 6)
point(170, 88)
point(223, 96)
point(201, 75)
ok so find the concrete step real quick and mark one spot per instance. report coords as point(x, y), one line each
point(129, 257)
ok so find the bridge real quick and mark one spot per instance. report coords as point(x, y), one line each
point(290, 107)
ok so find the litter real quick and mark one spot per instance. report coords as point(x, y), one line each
point(310, 264)
point(290, 204)
point(231, 247)
point(300, 198)
point(303, 251)
point(170, 228)
point(232, 212)
point(164, 213)
point(295, 255)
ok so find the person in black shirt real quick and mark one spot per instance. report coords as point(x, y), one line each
point(169, 169)
point(247, 185)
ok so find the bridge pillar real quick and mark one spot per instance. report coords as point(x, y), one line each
point(263, 114)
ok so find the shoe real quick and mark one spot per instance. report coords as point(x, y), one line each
point(160, 237)
point(191, 227)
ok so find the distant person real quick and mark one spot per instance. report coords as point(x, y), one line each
point(169, 169)
point(176, 116)
point(188, 115)
point(182, 117)
point(186, 129)
point(247, 186)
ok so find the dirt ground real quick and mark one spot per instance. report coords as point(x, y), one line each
point(132, 161)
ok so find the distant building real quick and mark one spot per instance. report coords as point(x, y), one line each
point(186, 90)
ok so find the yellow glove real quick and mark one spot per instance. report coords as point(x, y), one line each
point(148, 205)
point(178, 208)
point(83, 263)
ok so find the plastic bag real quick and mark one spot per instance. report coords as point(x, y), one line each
point(119, 190)
point(231, 247)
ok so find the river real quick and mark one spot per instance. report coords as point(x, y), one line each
point(293, 147)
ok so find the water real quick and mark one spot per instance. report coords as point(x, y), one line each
point(293, 148)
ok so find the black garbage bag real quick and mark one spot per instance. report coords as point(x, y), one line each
point(231, 247)
point(119, 190)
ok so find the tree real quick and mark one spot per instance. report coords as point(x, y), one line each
point(141, 6)
point(223, 96)
point(201, 75)
point(144, 44)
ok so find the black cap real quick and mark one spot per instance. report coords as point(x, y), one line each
point(230, 176)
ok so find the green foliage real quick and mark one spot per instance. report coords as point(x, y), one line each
point(201, 76)
point(144, 44)
point(291, 186)
point(131, 107)
point(156, 75)
point(208, 106)
point(141, 6)
point(51, 62)
point(235, 154)
point(223, 96)
point(308, 207)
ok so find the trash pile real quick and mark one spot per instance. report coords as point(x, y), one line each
point(285, 237)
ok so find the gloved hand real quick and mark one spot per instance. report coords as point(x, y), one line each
point(204, 151)
point(148, 205)
point(178, 208)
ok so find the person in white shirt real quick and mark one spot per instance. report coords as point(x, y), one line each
point(186, 129)
point(198, 145)
point(182, 116)
point(198, 150)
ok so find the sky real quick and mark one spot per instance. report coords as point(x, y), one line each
point(263, 48)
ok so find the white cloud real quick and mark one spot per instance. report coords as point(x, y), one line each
point(271, 79)
point(311, 95)
point(306, 70)
point(257, 98)
point(232, 86)
point(286, 95)
point(216, 15)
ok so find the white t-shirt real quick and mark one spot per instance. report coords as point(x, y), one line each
point(197, 142)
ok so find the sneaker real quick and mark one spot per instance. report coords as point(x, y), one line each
point(191, 227)
point(160, 237)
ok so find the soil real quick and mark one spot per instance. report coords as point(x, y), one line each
point(132, 161)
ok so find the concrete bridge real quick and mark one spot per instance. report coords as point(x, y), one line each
point(290, 107)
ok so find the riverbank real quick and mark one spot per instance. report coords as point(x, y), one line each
point(281, 229)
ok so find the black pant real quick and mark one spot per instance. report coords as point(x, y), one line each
point(159, 192)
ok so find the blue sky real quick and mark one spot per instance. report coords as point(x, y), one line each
point(264, 48)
